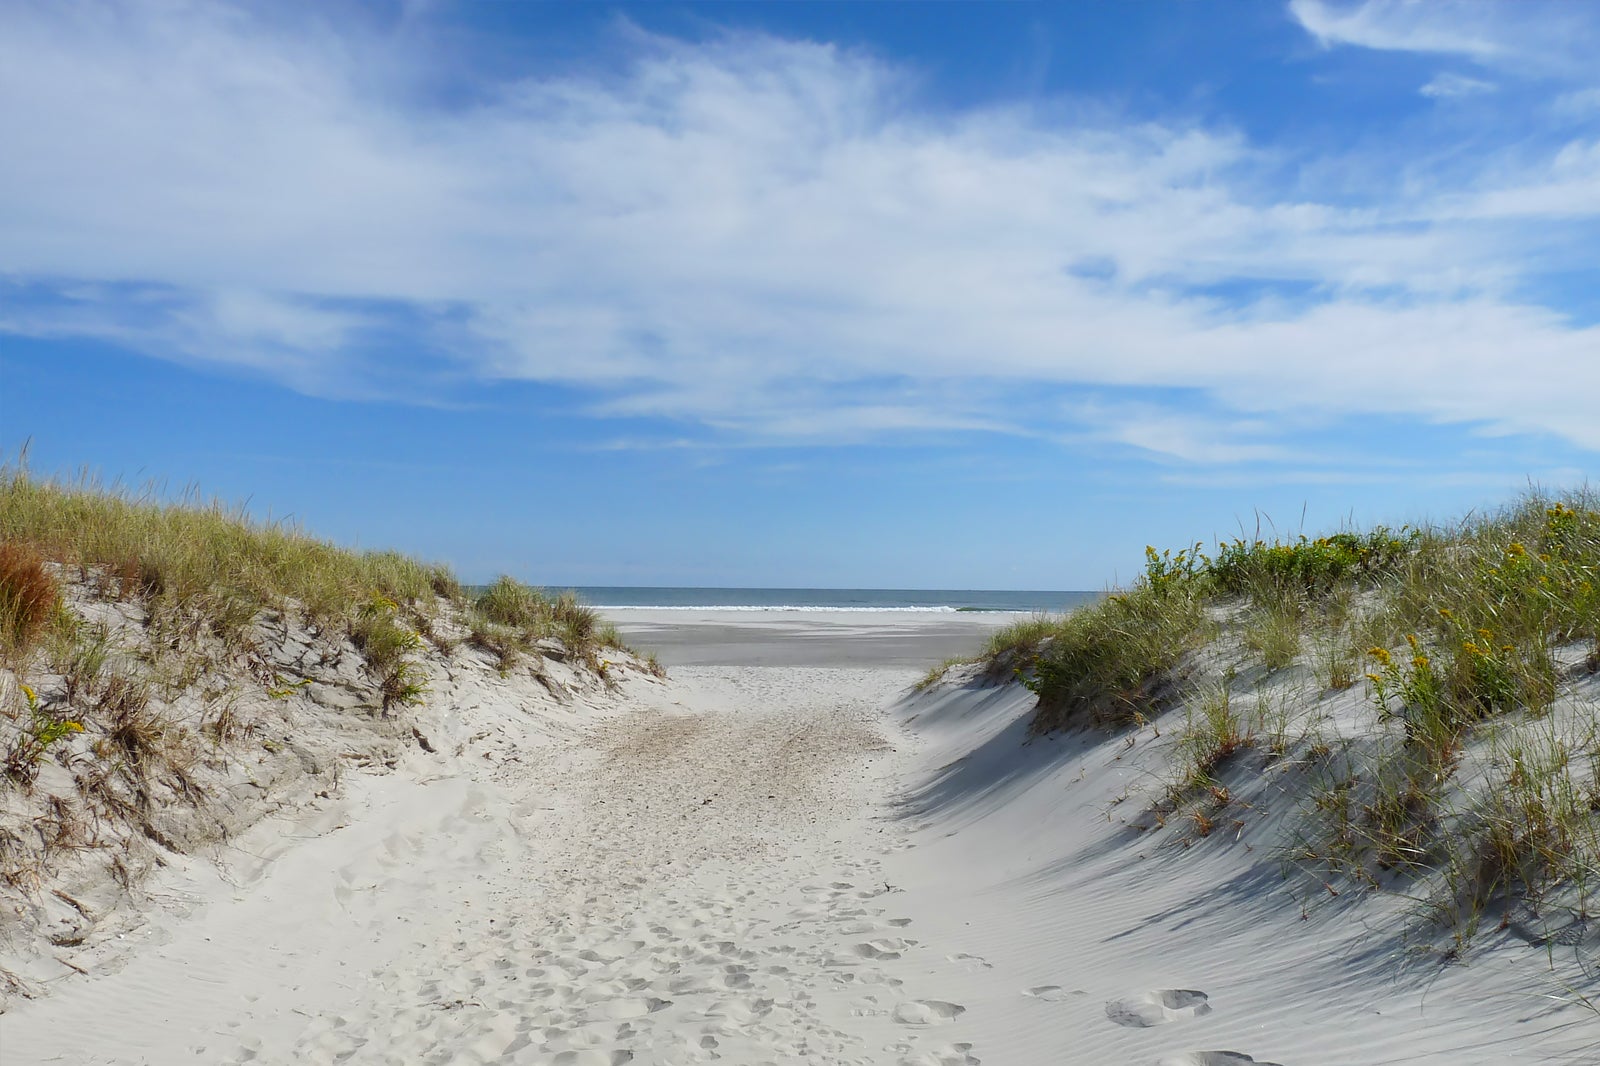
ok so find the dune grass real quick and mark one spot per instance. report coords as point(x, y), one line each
point(205, 555)
point(509, 619)
point(1460, 622)
point(29, 598)
point(207, 576)
point(151, 656)
point(1464, 635)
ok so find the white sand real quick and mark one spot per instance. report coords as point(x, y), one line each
point(811, 637)
point(771, 865)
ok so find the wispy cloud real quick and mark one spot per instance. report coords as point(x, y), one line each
point(1535, 38)
point(767, 238)
point(1460, 28)
point(1449, 86)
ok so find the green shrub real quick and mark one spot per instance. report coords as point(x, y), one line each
point(1113, 663)
point(384, 642)
point(34, 739)
point(1267, 570)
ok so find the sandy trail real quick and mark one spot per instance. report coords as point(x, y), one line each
point(721, 890)
point(778, 865)
point(694, 879)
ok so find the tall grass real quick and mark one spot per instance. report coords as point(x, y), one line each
point(1115, 663)
point(510, 618)
point(202, 562)
point(205, 555)
point(1462, 621)
point(1466, 634)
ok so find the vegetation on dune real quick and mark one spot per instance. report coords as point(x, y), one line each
point(1476, 777)
point(510, 619)
point(171, 671)
point(204, 579)
point(205, 560)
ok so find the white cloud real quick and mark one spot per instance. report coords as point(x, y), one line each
point(1461, 28)
point(1451, 86)
point(1185, 437)
point(764, 237)
point(1535, 38)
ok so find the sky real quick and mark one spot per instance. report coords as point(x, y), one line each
point(872, 294)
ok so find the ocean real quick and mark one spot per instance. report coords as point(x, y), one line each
point(774, 599)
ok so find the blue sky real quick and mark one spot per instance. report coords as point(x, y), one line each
point(951, 295)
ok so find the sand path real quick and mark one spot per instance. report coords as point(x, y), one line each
point(693, 880)
point(772, 865)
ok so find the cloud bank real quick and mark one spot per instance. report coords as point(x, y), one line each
point(771, 239)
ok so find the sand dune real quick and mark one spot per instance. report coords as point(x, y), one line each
point(696, 875)
point(770, 865)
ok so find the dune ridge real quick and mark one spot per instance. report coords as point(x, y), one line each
point(778, 864)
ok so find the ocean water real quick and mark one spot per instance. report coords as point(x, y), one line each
point(931, 600)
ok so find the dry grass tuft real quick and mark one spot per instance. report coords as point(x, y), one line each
point(29, 598)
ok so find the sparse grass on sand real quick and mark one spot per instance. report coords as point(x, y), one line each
point(1474, 769)
point(202, 573)
point(170, 671)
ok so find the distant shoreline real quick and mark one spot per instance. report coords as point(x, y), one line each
point(901, 638)
point(692, 598)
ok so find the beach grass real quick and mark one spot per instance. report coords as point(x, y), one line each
point(1468, 638)
point(204, 577)
point(173, 669)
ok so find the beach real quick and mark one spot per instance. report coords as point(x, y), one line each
point(889, 639)
point(799, 534)
point(764, 864)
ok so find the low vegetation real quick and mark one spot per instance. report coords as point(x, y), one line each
point(162, 664)
point(1465, 769)
point(510, 619)
point(196, 566)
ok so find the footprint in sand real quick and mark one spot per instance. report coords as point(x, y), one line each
point(1213, 1058)
point(1052, 993)
point(970, 962)
point(949, 1055)
point(927, 1012)
point(886, 948)
point(1159, 1007)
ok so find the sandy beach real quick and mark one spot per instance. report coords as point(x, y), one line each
point(944, 533)
point(766, 864)
point(886, 639)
